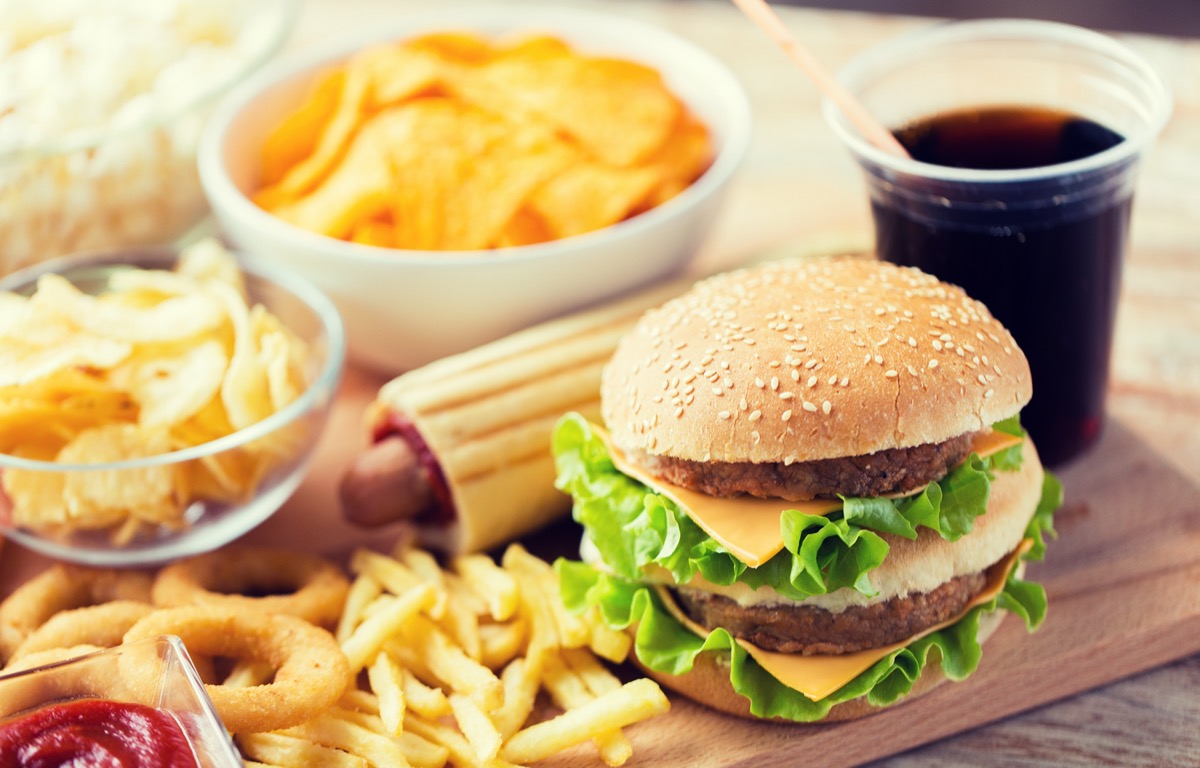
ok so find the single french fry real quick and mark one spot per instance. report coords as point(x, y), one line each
point(363, 590)
point(635, 701)
point(430, 703)
point(481, 733)
point(605, 642)
point(387, 681)
point(491, 582)
point(458, 590)
point(360, 701)
point(426, 567)
point(369, 637)
point(501, 643)
point(286, 750)
point(521, 685)
point(462, 624)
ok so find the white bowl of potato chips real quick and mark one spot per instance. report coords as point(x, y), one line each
point(470, 171)
point(156, 404)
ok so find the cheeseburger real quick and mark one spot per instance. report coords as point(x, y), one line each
point(811, 495)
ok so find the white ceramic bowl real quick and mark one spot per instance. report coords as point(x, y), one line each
point(404, 308)
point(209, 523)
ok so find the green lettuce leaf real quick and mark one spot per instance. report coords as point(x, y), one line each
point(634, 528)
point(665, 645)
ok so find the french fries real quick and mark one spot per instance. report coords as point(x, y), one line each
point(454, 660)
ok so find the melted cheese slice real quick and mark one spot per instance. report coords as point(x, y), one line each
point(746, 526)
point(818, 676)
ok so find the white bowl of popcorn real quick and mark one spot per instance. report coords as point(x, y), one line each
point(101, 108)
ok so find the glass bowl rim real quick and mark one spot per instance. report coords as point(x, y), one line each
point(323, 385)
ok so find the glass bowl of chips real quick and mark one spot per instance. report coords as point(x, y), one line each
point(157, 403)
point(101, 109)
point(469, 171)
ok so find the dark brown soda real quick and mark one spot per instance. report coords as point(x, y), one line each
point(1053, 281)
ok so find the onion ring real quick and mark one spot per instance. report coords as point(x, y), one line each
point(311, 672)
point(290, 582)
point(61, 588)
point(101, 625)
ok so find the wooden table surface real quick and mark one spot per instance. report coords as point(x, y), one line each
point(797, 186)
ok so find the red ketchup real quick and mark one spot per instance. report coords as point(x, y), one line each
point(95, 732)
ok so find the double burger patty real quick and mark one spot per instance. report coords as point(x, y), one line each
point(893, 470)
point(796, 628)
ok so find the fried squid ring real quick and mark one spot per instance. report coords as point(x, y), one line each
point(311, 672)
point(267, 580)
point(102, 625)
point(62, 588)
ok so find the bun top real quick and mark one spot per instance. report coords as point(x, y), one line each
point(799, 360)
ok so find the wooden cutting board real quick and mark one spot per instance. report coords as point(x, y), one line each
point(1124, 587)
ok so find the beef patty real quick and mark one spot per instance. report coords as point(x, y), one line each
point(893, 470)
point(808, 630)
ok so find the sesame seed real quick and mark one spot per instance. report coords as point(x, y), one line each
point(773, 364)
point(845, 382)
point(679, 411)
point(775, 383)
point(879, 359)
point(891, 373)
point(826, 407)
point(982, 379)
point(786, 395)
point(742, 404)
point(810, 364)
point(723, 414)
point(989, 393)
point(912, 342)
point(718, 391)
point(812, 381)
point(932, 363)
point(786, 415)
point(755, 415)
point(937, 345)
point(809, 407)
point(795, 375)
point(759, 383)
point(833, 380)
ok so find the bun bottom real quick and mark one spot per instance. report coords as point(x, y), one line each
point(708, 684)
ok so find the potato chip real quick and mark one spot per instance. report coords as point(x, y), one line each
point(296, 137)
point(172, 389)
point(588, 196)
point(101, 497)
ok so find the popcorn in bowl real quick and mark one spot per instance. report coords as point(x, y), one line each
point(101, 108)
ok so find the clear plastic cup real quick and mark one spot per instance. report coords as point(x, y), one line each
point(1041, 246)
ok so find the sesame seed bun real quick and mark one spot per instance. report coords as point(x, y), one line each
point(708, 682)
point(801, 360)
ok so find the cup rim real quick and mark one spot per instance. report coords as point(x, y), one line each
point(921, 44)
